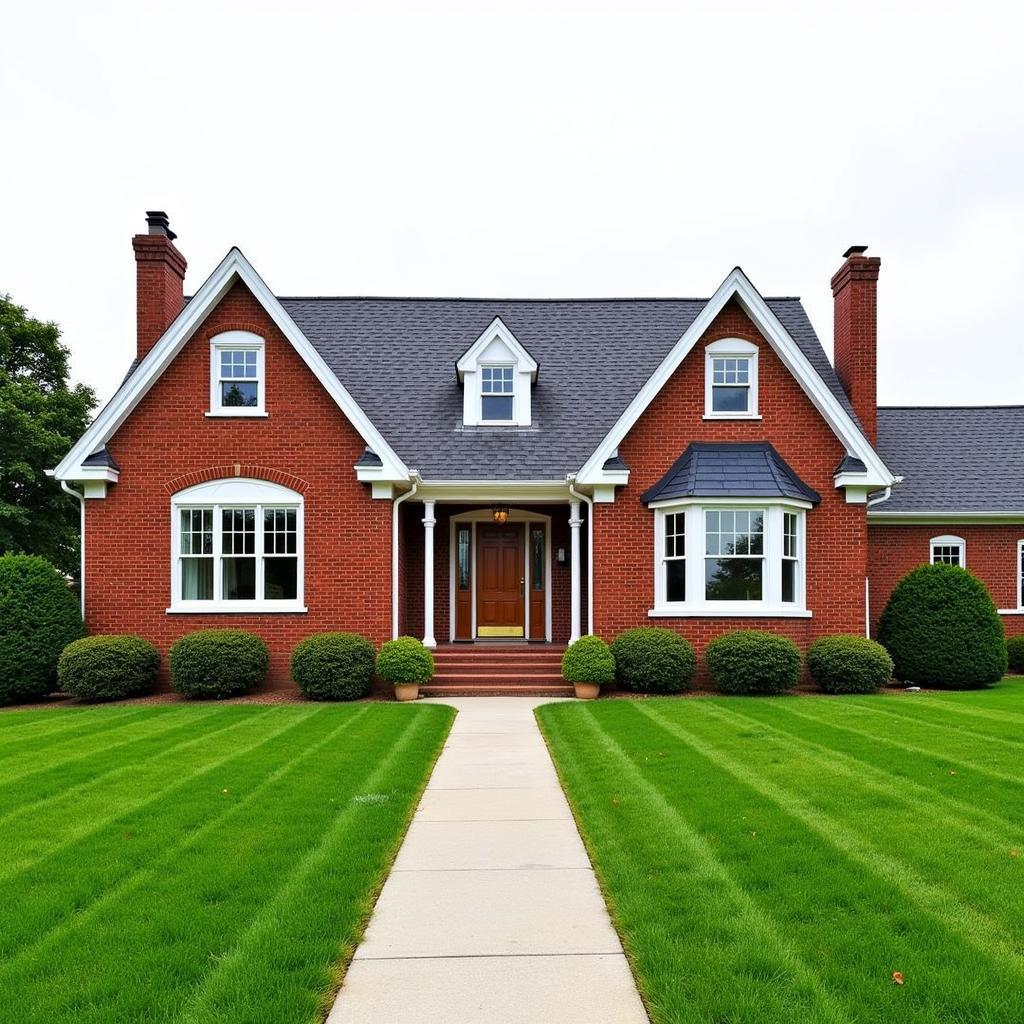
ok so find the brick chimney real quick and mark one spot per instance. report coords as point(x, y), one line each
point(855, 291)
point(160, 280)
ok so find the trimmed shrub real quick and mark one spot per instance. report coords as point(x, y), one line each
point(748, 661)
point(941, 629)
point(39, 617)
point(588, 660)
point(333, 666)
point(849, 664)
point(652, 660)
point(108, 667)
point(405, 660)
point(217, 663)
point(1015, 653)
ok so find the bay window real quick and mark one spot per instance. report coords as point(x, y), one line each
point(741, 557)
point(236, 546)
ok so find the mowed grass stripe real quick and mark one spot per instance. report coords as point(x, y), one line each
point(186, 824)
point(749, 943)
point(51, 722)
point(364, 831)
point(989, 936)
point(87, 722)
point(998, 832)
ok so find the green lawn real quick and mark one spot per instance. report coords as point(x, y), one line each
point(776, 860)
point(197, 863)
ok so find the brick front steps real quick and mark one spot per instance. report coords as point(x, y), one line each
point(498, 670)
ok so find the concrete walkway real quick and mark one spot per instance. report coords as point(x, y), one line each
point(492, 914)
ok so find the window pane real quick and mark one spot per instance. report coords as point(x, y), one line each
point(196, 531)
point(497, 408)
point(947, 554)
point(732, 579)
point(279, 531)
point(234, 394)
point(729, 399)
point(675, 579)
point(789, 535)
point(537, 559)
point(239, 579)
point(788, 580)
point(464, 536)
point(235, 363)
point(197, 579)
point(280, 579)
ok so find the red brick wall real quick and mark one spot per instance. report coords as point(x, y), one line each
point(836, 531)
point(991, 554)
point(305, 441)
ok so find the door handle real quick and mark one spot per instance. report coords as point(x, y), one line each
point(522, 583)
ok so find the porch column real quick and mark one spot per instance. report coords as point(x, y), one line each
point(574, 565)
point(428, 574)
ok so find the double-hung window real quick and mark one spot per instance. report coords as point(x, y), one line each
point(237, 546)
point(730, 384)
point(497, 393)
point(237, 378)
point(947, 550)
point(729, 558)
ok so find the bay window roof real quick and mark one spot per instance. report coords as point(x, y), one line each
point(727, 470)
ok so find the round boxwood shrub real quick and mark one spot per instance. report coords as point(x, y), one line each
point(588, 660)
point(333, 666)
point(748, 661)
point(849, 664)
point(1015, 653)
point(941, 629)
point(39, 617)
point(652, 660)
point(218, 663)
point(405, 660)
point(108, 667)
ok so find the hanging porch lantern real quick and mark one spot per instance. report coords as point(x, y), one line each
point(499, 513)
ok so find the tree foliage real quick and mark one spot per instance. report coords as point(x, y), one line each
point(41, 416)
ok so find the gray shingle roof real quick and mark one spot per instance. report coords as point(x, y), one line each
point(397, 358)
point(730, 470)
point(102, 457)
point(953, 459)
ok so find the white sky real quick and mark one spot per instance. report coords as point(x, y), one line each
point(522, 149)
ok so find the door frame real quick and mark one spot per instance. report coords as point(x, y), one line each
point(521, 517)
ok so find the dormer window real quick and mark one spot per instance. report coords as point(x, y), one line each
point(237, 380)
point(497, 376)
point(730, 380)
point(497, 393)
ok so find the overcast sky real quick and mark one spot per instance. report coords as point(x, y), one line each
point(521, 149)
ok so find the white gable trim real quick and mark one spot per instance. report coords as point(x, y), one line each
point(513, 356)
point(234, 267)
point(738, 286)
point(496, 329)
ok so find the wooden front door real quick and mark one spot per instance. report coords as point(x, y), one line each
point(500, 580)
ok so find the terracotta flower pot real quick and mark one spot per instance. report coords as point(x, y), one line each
point(586, 691)
point(407, 691)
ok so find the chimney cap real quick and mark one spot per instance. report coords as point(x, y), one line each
point(159, 224)
point(855, 250)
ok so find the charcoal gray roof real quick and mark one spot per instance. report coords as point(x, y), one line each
point(397, 358)
point(102, 457)
point(728, 470)
point(953, 459)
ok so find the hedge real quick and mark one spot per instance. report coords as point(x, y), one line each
point(653, 660)
point(39, 617)
point(849, 664)
point(941, 629)
point(588, 660)
point(217, 663)
point(334, 666)
point(1015, 653)
point(749, 661)
point(108, 667)
point(405, 660)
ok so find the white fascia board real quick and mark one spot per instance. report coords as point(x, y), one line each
point(493, 490)
point(737, 285)
point(234, 267)
point(496, 328)
point(105, 473)
point(721, 502)
point(938, 518)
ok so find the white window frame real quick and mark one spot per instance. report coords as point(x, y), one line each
point(772, 605)
point(511, 420)
point(233, 341)
point(1019, 571)
point(947, 541)
point(237, 492)
point(730, 348)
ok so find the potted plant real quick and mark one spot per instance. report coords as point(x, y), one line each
point(406, 664)
point(587, 664)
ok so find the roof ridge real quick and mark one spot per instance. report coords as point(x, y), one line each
point(489, 298)
point(932, 408)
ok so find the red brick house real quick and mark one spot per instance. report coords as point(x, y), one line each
point(523, 471)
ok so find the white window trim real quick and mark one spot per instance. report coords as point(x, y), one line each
point(237, 492)
point(237, 340)
point(496, 346)
point(949, 541)
point(772, 606)
point(512, 420)
point(724, 349)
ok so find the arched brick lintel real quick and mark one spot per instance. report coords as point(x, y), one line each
point(235, 469)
